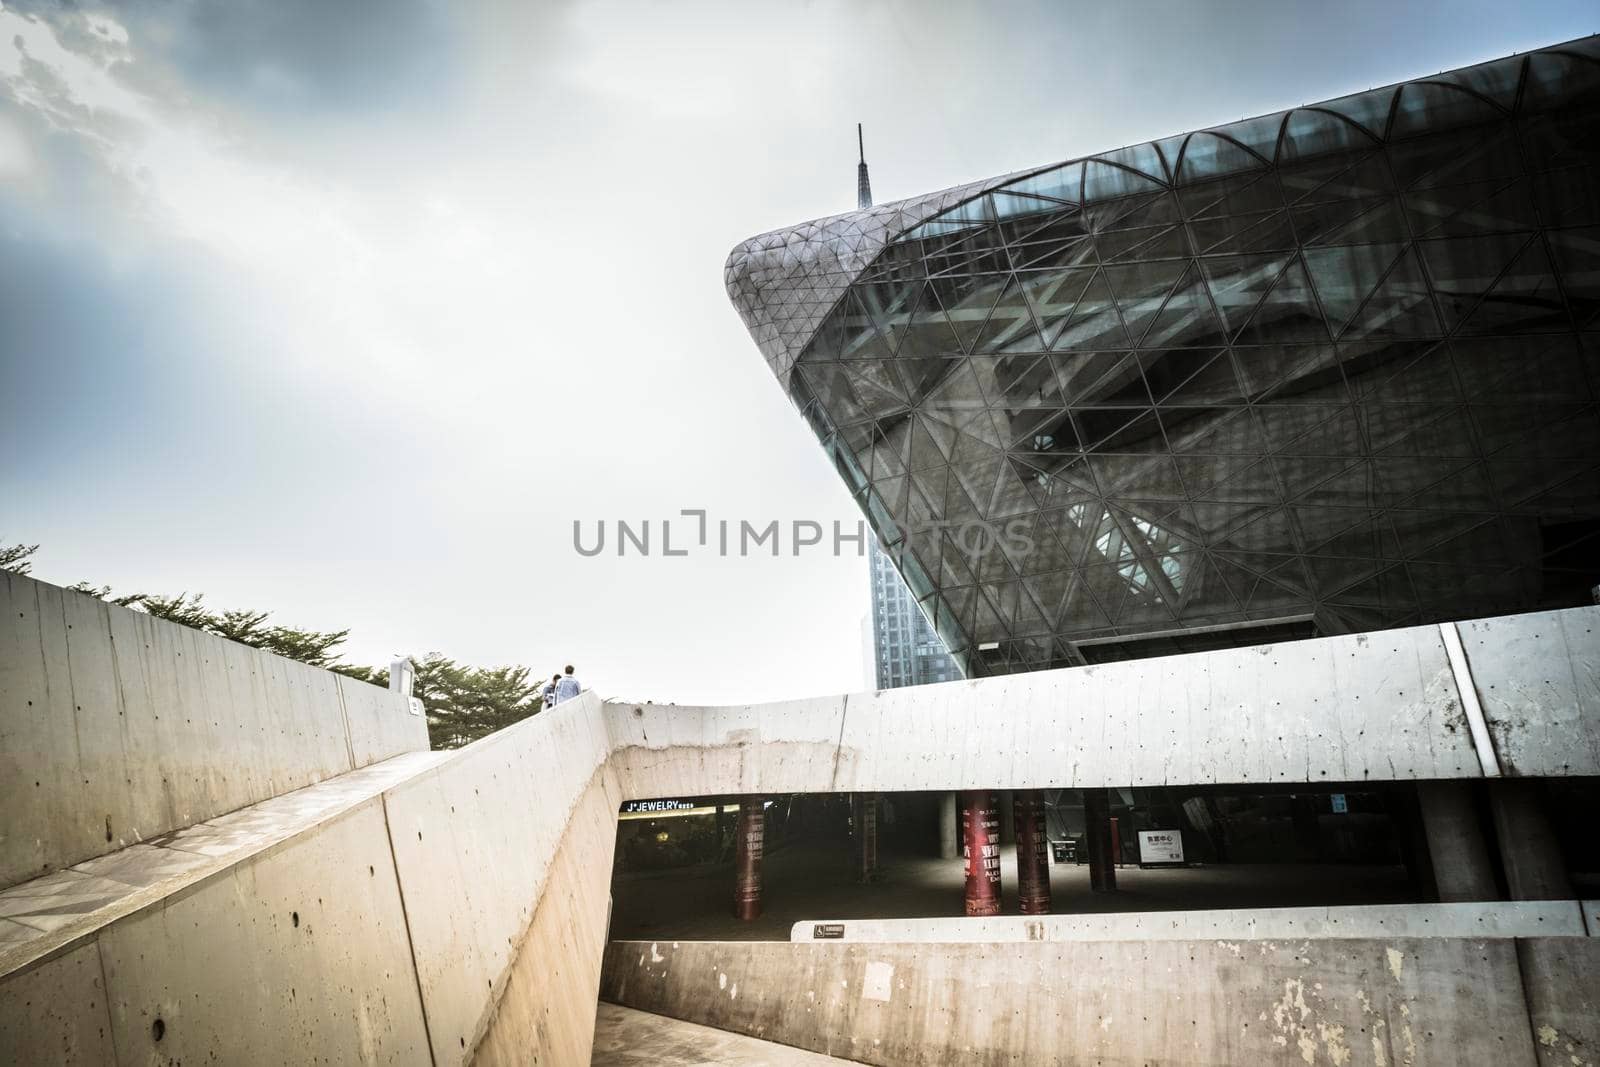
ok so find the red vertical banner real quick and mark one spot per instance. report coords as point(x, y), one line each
point(980, 836)
point(864, 817)
point(749, 842)
point(1033, 853)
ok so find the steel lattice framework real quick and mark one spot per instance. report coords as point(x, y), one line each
point(1331, 369)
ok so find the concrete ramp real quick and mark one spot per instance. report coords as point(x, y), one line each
point(434, 908)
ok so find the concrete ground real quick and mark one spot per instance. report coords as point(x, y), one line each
point(627, 1038)
point(807, 882)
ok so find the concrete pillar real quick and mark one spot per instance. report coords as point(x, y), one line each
point(949, 828)
point(980, 831)
point(1008, 817)
point(748, 845)
point(1097, 834)
point(1405, 822)
point(1033, 853)
point(1529, 852)
point(864, 824)
point(1456, 848)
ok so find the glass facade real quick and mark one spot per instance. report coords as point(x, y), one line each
point(905, 649)
point(1334, 369)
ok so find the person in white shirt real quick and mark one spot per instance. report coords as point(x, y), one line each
point(567, 686)
point(549, 691)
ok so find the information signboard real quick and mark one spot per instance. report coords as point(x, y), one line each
point(1160, 846)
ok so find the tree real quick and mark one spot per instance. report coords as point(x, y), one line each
point(14, 558)
point(462, 703)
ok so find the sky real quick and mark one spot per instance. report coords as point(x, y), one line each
point(348, 311)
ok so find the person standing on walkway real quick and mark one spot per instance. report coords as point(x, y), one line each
point(549, 692)
point(567, 686)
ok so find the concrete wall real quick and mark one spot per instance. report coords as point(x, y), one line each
point(1365, 707)
point(1349, 1003)
point(301, 952)
point(1538, 679)
point(477, 841)
point(1514, 918)
point(458, 913)
point(116, 727)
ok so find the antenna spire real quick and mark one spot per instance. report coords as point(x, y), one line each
point(863, 183)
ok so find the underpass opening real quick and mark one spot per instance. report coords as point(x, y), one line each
point(840, 856)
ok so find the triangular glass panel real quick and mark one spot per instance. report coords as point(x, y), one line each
point(1208, 155)
point(1202, 379)
point(834, 393)
point(1187, 319)
point(1061, 183)
point(1141, 289)
point(1100, 379)
point(927, 332)
point(1289, 313)
point(1370, 109)
point(1311, 132)
point(1401, 306)
point(1104, 181)
point(1345, 277)
point(1498, 80)
point(1053, 296)
point(1238, 283)
point(1010, 326)
point(1095, 322)
point(1464, 268)
point(1524, 299)
point(1577, 255)
point(955, 396)
point(1016, 205)
point(1427, 107)
point(1054, 255)
point(1555, 78)
point(877, 385)
point(1492, 206)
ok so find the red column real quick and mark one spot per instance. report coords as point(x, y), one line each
point(1096, 815)
point(749, 841)
point(864, 819)
point(980, 836)
point(1033, 853)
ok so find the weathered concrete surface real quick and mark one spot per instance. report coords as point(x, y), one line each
point(300, 952)
point(57, 1012)
point(627, 1038)
point(42, 916)
point(546, 1015)
point(1347, 1002)
point(1544, 918)
point(474, 842)
point(1538, 679)
point(1365, 707)
point(462, 900)
point(668, 750)
point(1562, 976)
point(116, 727)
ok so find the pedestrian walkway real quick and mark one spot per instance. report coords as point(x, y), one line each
point(627, 1038)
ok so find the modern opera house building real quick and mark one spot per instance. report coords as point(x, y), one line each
point(1328, 370)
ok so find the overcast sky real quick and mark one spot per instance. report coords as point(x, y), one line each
point(348, 310)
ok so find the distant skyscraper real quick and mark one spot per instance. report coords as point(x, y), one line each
point(905, 649)
point(902, 646)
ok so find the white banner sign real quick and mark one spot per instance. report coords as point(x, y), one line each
point(1160, 846)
